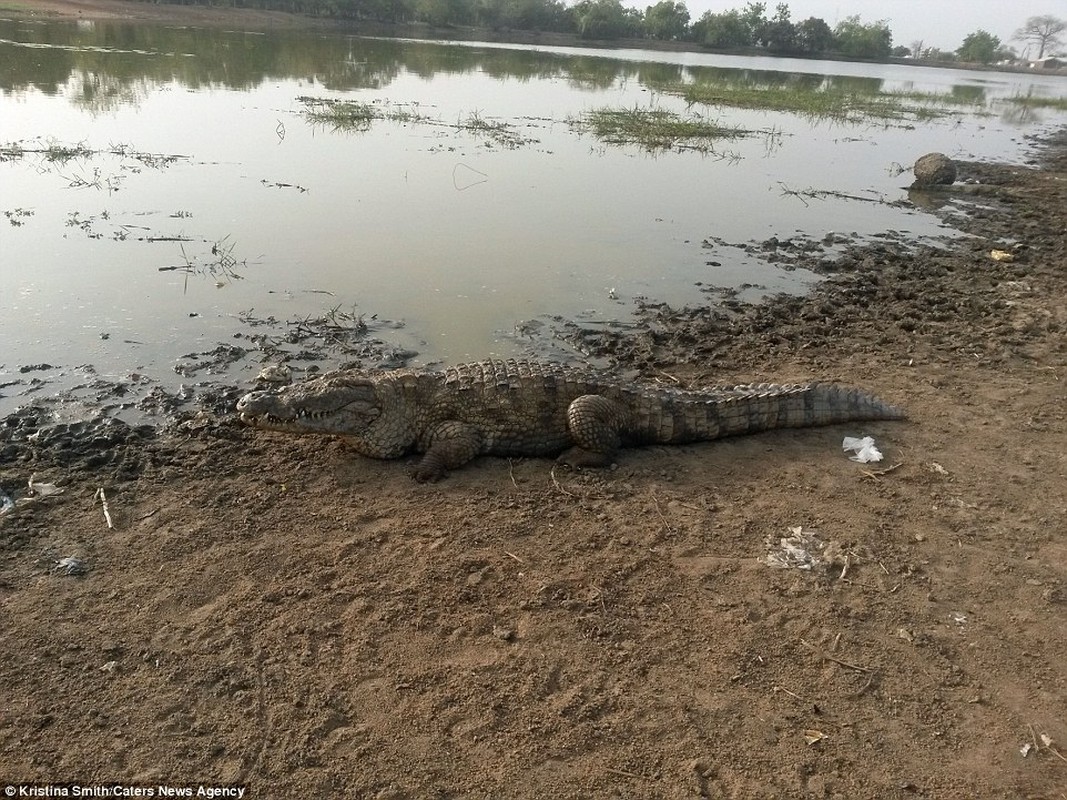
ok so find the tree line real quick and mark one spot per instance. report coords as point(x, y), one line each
point(747, 28)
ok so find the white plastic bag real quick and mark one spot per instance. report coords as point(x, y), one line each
point(865, 449)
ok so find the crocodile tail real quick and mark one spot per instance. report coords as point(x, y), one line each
point(735, 410)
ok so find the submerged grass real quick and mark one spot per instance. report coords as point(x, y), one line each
point(51, 151)
point(1029, 101)
point(353, 115)
point(356, 116)
point(655, 129)
point(822, 103)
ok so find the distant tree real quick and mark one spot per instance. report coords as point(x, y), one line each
point(724, 30)
point(778, 34)
point(754, 17)
point(814, 36)
point(853, 38)
point(666, 20)
point(900, 51)
point(1044, 31)
point(980, 47)
point(519, 14)
point(606, 19)
point(934, 54)
point(916, 49)
point(391, 10)
point(440, 13)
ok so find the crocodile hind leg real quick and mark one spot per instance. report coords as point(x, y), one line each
point(451, 445)
point(594, 423)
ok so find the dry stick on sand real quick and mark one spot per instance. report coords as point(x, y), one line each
point(103, 501)
point(824, 655)
point(556, 483)
point(662, 516)
point(630, 774)
point(881, 472)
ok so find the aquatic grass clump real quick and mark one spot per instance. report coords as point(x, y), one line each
point(655, 128)
point(357, 116)
point(1029, 101)
point(354, 115)
point(819, 103)
point(51, 151)
point(502, 133)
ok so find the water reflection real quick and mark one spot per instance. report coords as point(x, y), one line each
point(105, 63)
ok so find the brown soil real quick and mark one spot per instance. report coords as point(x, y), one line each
point(277, 612)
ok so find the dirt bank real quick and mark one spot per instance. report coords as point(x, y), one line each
point(280, 613)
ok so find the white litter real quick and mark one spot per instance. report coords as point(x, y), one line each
point(42, 489)
point(864, 448)
point(800, 550)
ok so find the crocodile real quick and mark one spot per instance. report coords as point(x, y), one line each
point(530, 408)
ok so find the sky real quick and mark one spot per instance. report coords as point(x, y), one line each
point(938, 23)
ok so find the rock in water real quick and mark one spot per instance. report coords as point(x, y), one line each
point(934, 169)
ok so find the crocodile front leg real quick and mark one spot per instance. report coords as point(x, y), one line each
point(594, 423)
point(450, 444)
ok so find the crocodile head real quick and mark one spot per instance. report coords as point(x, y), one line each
point(336, 403)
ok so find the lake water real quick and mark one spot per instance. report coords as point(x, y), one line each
point(117, 255)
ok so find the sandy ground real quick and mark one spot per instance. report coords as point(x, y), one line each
point(280, 613)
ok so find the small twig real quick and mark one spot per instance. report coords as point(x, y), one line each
point(881, 472)
point(663, 519)
point(791, 694)
point(103, 501)
point(670, 377)
point(828, 657)
point(556, 482)
point(844, 568)
point(512, 555)
point(511, 473)
point(866, 686)
point(629, 774)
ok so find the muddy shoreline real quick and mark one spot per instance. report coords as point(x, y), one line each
point(877, 294)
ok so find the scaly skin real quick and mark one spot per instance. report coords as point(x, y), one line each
point(526, 408)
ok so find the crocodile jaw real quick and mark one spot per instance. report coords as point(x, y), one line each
point(331, 404)
point(300, 421)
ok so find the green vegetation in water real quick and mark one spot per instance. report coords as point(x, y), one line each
point(503, 133)
point(357, 117)
point(1029, 101)
point(51, 151)
point(655, 129)
point(55, 152)
point(353, 115)
point(832, 104)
